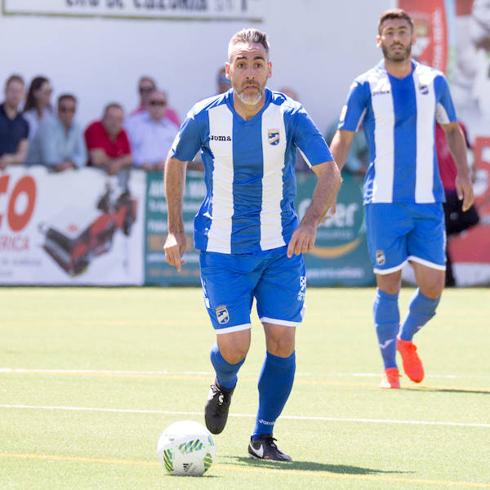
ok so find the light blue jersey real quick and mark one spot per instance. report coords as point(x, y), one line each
point(398, 117)
point(249, 170)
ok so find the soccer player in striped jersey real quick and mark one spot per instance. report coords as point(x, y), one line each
point(398, 102)
point(247, 229)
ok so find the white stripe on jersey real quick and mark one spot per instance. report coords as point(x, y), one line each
point(272, 179)
point(219, 235)
point(382, 102)
point(426, 105)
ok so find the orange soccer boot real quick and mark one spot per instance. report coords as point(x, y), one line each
point(412, 365)
point(391, 379)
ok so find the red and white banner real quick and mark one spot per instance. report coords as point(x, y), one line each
point(77, 227)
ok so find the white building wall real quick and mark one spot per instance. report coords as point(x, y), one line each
point(318, 46)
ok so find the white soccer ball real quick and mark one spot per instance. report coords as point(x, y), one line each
point(186, 449)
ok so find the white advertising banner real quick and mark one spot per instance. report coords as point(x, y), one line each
point(75, 228)
point(251, 10)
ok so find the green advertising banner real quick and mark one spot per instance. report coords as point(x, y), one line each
point(339, 258)
point(156, 269)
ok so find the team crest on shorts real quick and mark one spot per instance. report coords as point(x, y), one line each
point(380, 257)
point(222, 314)
point(274, 136)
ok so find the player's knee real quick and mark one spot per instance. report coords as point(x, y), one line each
point(234, 354)
point(280, 346)
point(433, 287)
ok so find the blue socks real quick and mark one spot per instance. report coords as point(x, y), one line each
point(387, 322)
point(226, 373)
point(420, 311)
point(275, 383)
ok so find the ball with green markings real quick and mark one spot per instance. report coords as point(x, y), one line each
point(186, 449)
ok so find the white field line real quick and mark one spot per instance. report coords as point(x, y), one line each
point(164, 372)
point(247, 415)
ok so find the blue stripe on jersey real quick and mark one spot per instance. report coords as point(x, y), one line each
point(405, 133)
point(248, 165)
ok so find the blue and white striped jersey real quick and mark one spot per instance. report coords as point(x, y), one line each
point(398, 117)
point(249, 170)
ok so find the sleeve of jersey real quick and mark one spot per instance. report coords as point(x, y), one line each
point(188, 140)
point(310, 141)
point(445, 111)
point(354, 108)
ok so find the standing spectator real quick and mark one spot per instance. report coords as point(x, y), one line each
point(107, 141)
point(146, 85)
point(59, 142)
point(151, 134)
point(456, 219)
point(14, 129)
point(38, 104)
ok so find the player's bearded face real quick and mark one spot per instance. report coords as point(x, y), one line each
point(248, 71)
point(396, 39)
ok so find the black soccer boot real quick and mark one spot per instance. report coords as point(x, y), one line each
point(265, 448)
point(217, 408)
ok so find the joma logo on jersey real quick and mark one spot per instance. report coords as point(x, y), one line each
point(274, 136)
point(381, 91)
point(219, 138)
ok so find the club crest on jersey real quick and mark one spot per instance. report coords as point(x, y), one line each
point(222, 314)
point(274, 136)
point(380, 257)
point(423, 89)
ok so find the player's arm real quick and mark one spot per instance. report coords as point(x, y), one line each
point(340, 146)
point(324, 195)
point(184, 148)
point(457, 144)
point(174, 181)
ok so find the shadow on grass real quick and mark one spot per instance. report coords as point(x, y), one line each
point(304, 466)
point(451, 390)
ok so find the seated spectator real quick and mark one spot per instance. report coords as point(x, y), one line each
point(14, 129)
point(146, 85)
point(151, 134)
point(107, 141)
point(59, 142)
point(223, 84)
point(38, 104)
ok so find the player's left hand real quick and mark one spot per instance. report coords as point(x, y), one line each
point(303, 240)
point(465, 191)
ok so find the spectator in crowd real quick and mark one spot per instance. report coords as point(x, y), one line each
point(107, 141)
point(146, 85)
point(358, 158)
point(38, 104)
point(14, 129)
point(59, 142)
point(457, 220)
point(151, 133)
point(222, 82)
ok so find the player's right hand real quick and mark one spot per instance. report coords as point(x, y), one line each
point(174, 248)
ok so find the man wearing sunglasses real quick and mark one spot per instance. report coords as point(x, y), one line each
point(151, 133)
point(59, 142)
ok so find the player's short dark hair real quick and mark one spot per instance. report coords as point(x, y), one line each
point(14, 78)
point(394, 14)
point(249, 36)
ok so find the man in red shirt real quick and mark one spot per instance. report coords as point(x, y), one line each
point(107, 141)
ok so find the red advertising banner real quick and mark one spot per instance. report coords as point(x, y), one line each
point(431, 29)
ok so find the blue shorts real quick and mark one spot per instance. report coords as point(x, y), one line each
point(400, 232)
point(231, 282)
